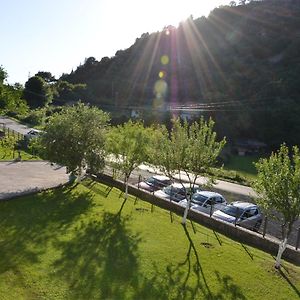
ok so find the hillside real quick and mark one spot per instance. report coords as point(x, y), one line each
point(239, 65)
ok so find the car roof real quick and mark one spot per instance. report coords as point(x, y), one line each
point(243, 205)
point(35, 130)
point(184, 184)
point(209, 194)
point(161, 177)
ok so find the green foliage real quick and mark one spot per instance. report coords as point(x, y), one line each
point(67, 92)
point(37, 92)
point(8, 145)
point(75, 138)
point(129, 145)
point(35, 117)
point(278, 184)
point(189, 148)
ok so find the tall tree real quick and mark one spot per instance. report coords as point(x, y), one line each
point(278, 185)
point(75, 138)
point(191, 149)
point(129, 146)
point(37, 93)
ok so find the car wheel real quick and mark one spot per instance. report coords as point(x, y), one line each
point(257, 226)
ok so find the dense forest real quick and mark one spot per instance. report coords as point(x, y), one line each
point(240, 66)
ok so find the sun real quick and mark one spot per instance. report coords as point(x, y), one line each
point(172, 12)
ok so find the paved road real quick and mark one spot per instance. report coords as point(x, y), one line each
point(18, 178)
point(11, 124)
point(220, 184)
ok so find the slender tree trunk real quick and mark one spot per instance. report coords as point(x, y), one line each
point(281, 249)
point(186, 210)
point(126, 188)
point(287, 228)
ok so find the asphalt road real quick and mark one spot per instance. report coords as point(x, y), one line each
point(11, 124)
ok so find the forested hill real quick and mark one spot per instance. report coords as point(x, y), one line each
point(240, 65)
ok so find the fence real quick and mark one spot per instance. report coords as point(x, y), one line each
point(10, 132)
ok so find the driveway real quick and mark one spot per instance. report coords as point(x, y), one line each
point(19, 178)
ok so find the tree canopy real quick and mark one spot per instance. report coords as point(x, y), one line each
point(37, 93)
point(190, 148)
point(278, 187)
point(74, 138)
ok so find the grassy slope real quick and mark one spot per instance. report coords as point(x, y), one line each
point(70, 244)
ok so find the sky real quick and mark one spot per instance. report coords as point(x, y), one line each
point(57, 35)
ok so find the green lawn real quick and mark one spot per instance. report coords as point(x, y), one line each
point(243, 165)
point(8, 155)
point(72, 244)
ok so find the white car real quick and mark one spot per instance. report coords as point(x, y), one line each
point(176, 191)
point(33, 133)
point(244, 214)
point(205, 201)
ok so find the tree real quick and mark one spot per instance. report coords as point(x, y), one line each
point(75, 138)
point(191, 149)
point(3, 75)
point(37, 93)
point(278, 186)
point(47, 76)
point(129, 146)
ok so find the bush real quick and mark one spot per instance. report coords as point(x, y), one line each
point(35, 117)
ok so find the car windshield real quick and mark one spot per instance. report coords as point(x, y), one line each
point(151, 181)
point(232, 211)
point(199, 199)
point(171, 190)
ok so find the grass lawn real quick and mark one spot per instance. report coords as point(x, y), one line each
point(243, 165)
point(8, 155)
point(71, 244)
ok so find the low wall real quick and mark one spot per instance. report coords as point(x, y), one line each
point(239, 234)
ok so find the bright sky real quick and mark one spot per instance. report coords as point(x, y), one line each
point(57, 35)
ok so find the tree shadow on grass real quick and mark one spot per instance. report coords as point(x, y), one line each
point(27, 224)
point(102, 260)
point(186, 280)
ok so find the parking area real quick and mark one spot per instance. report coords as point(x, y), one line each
point(19, 178)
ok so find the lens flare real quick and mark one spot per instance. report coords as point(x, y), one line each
point(162, 74)
point(164, 60)
point(160, 88)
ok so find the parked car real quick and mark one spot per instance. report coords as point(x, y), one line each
point(245, 214)
point(176, 191)
point(33, 133)
point(205, 201)
point(154, 183)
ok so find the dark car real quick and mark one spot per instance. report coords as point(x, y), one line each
point(154, 183)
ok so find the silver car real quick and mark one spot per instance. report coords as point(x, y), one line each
point(154, 183)
point(244, 214)
point(176, 191)
point(206, 202)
